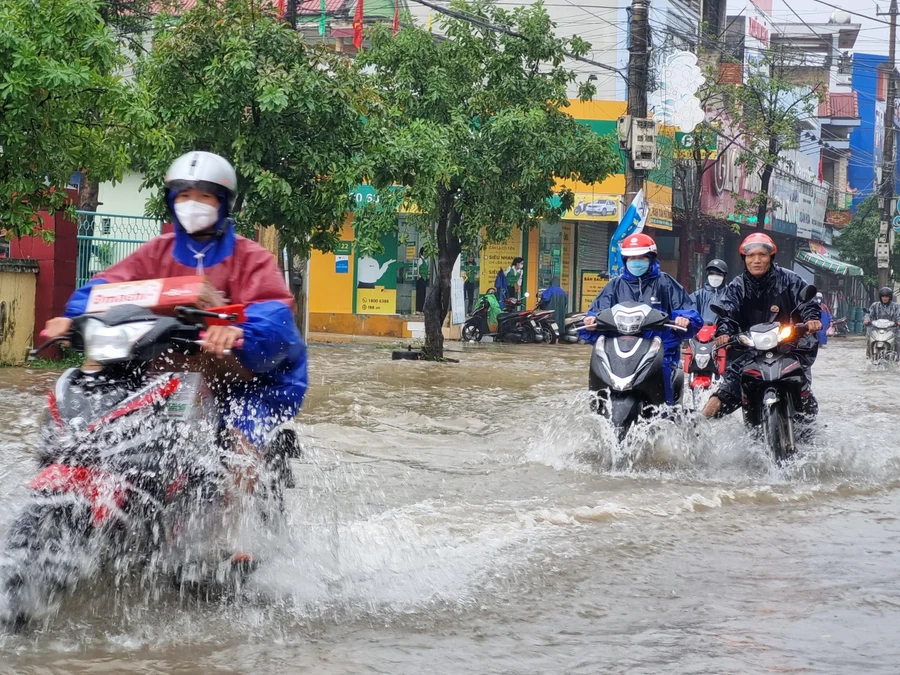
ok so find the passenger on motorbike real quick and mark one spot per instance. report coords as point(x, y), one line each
point(200, 190)
point(642, 281)
point(763, 293)
point(885, 308)
point(712, 290)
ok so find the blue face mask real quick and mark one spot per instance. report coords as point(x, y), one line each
point(638, 267)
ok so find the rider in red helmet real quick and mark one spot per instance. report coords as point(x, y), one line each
point(642, 281)
point(763, 293)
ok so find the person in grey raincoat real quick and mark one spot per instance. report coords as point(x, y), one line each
point(713, 289)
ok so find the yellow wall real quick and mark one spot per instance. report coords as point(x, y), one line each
point(16, 313)
point(329, 292)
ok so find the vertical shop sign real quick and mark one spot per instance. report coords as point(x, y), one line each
point(375, 282)
point(496, 257)
point(592, 282)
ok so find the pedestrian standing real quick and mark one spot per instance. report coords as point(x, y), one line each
point(421, 281)
point(514, 274)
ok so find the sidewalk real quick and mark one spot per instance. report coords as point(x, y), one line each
point(338, 338)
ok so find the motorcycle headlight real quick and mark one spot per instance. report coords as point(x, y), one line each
point(702, 360)
point(767, 340)
point(629, 321)
point(104, 343)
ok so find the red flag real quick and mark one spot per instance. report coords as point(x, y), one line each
point(396, 16)
point(358, 25)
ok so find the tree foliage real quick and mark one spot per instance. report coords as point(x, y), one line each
point(770, 106)
point(61, 105)
point(231, 78)
point(857, 242)
point(474, 134)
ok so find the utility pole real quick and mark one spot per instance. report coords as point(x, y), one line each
point(291, 13)
point(638, 70)
point(888, 163)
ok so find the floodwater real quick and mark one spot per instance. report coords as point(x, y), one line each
point(464, 519)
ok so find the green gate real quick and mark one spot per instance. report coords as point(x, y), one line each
point(106, 238)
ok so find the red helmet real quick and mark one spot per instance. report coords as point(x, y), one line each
point(758, 239)
point(637, 245)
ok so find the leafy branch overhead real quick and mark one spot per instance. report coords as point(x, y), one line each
point(234, 79)
point(474, 133)
point(61, 106)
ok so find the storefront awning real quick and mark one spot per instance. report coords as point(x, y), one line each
point(829, 264)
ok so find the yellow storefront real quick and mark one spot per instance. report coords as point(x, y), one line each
point(375, 295)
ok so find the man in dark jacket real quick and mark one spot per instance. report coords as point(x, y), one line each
point(555, 298)
point(763, 293)
point(885, 308)
point(712, 291)
point(642, 281)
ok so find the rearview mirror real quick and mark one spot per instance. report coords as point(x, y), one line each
point(718, 310)
point(808, 293)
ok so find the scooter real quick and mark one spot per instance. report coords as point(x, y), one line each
point(132, 463)
point(546, 323)
point(626, 374)
point(574, 322)
point(773, 383)
point(881, 341)
point(514, 325)
point(704, 363)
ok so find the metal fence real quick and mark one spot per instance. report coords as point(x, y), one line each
point(106, 238)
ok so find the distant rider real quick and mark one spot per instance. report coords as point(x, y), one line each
point(762, 294)
point(885, 308)
point(642, 281)
point(712, 290)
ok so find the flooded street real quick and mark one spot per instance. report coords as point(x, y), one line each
point(462, 519)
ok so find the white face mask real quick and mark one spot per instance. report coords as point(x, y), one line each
point(196, 216)
point(715, 280)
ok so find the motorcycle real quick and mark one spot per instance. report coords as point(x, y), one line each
point(773, 383)
point(514, 325)
point(131, 468)
point(573, 323)
point(546, 323)
point(704, 364)
point(881, 341)
point(626, 373)
point(841, 327)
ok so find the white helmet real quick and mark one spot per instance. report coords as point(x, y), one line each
point(202, 170)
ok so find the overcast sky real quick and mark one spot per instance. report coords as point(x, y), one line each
point(873, 36)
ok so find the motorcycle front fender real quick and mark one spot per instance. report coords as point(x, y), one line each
point(623, 410)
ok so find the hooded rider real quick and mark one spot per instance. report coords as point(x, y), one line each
point(885, 308)
point(200, 190)
point(643, 281)
point(762, 294)
point(712, 291)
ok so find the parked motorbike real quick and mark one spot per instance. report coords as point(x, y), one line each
point(626, 375)
point(132, 466)
point(841, 327)
point(574, 322)
point(704, 364)
point(514, 325)
point(881, 341)
point(773, 383)
point(545, 320)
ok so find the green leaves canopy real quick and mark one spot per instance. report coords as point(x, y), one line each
point(857, 242)
point(231, 78)
point(476, 130)
point(60, 106)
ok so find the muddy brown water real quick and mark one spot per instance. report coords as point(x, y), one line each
point(465, 519)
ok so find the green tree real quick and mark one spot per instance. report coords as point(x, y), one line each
point(770, 106)
point(474, 135)
point(857, 242)
point(231, 78)
point(61, 106)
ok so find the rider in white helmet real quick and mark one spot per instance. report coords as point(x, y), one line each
point(200, 191)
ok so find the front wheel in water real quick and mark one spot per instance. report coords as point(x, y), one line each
point(44, 556)
point(472, 333)
point(778, 432)
point(548, 335)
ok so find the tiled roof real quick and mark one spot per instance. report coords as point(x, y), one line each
point(844, 106)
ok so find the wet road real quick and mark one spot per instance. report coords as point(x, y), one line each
point(462, 519)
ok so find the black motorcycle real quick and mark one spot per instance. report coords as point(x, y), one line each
point(626, 377)
point(513, 325)
point(773, 383)
point(132, 465)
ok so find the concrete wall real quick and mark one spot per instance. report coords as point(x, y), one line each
point(18, 279)
point(124, 198)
